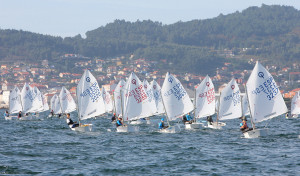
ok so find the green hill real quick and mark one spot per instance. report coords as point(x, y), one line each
point(270, 32)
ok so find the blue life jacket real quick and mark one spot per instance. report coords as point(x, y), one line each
point(161, 125)
point(119, 123)
point(241, 124)
point(188, 117)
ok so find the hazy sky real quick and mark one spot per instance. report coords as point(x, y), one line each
point(72, 17)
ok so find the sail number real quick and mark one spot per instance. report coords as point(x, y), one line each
point(93, 92)
point(177, 90)
point(210, 95)
point(236, 98)
point(268, 87)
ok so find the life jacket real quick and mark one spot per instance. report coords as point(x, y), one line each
point(161, 125)
point(119, 123)
point(244, 126)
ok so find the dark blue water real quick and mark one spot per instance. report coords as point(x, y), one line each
point(49, 147)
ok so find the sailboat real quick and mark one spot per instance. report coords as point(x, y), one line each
point(89, 100)
point(204, 102)
point(31, 102)
point(117, 98)
point(265, 99)
point(175, 100)
point(136, 103)
point(45, 103)
point(152, 104)
point(157, 97)
point(230, 106)
point(107, 100)
point(56, 106)
point(15, 105)
point(295, 105)
point(66, 101)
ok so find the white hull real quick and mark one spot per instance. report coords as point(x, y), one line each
point(11, 118)
point(172, 129)
point(83, 128)
point(193, 126)
point(30, 117)
point(127, 129)
point(215, 125)
point(138, 122)
point(256, 133)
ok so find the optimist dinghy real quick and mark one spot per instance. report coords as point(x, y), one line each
point(265, 100)
point(90, 101)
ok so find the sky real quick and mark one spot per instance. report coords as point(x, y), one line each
point(72, 17)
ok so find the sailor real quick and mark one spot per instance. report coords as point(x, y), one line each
point(70, 122)
point(52, 113)
point(20, 114)
point(184, 119)
point(244, 126)
point(114, 117)
point(161, 125)
point(287, 115)
point(119, 122)
point(6, 114)
point(189, 118)
point(209, 120)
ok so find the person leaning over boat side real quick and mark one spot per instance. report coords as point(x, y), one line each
point(161, 125)
point(243, 125)
point(70, 122)
point(119, 122)
point(209, 120)
point(114, 117)
point(189, 118)
point(20, 114)
point(287, 115)
point(6, 114)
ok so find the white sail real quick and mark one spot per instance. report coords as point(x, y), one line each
point(175, 98)
point(150, 95)
point(265, 99)
point(205, 99)
point(37, 105)
point(52, 102)
point(117, 97)
point(157, 96)
point(15, 105)
point(67, 102)
point(295, 104)
point(107, 100)
point(27, 98)
point(90, 100)
point(45, 103)
point(136, 101)
point(57, 105)
point(230, 102)
point(245, 106)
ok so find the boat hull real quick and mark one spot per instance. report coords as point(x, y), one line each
point(216, 125)
point(193, 126)
point(127, 129)
point(256, 133)
point(83, 128)
point(11, 118)
point(138, 122)
point(172, 129)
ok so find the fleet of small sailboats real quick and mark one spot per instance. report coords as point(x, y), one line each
point(134, 100)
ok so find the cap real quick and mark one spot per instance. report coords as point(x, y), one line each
point(162, 119)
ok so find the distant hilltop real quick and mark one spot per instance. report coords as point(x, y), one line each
point(268, 32)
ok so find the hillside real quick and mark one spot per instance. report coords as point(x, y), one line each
point(270, 32)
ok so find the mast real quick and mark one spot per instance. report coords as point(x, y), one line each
point(122, 106)
point(195, 103)
point(218, 109)
point(165, 109)
point(253, 125)
point(78, 112)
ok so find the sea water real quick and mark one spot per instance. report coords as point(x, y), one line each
point(49, 147)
